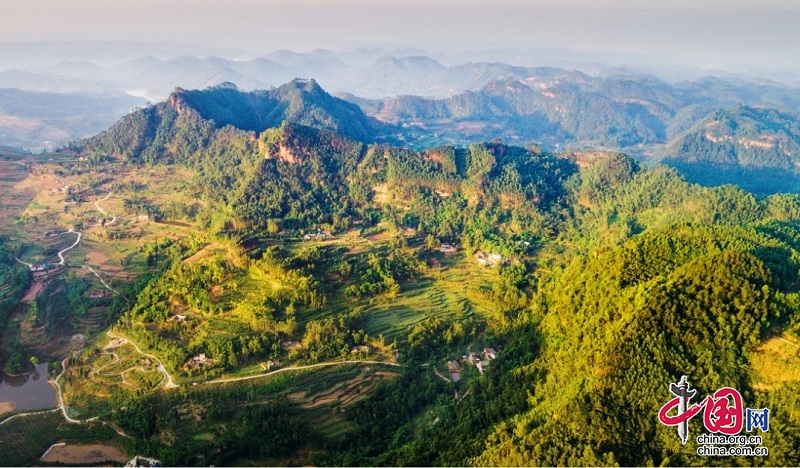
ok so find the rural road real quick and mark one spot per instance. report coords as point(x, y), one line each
point(160, 368)
point(322, 364)
point(61, 396)
point(61, 253)
point(77, 241)
point(103, 212)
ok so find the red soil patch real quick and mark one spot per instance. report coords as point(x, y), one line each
point(33, 291)
point(84, 454)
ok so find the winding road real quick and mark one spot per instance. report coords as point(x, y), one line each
point(77, 241)
point(61, 405)
point(96, 205)
point(20, 415)
point(61, 253)
point(160, 368)
point(167, 377)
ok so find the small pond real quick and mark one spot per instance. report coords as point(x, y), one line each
point(28, 392)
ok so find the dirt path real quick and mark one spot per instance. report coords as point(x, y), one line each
point(103, 212)
point(441, 376)
point(160, 368)
point(116, 360)
point(103, 281)
point(77, 241)
point(787, 341)
point(20, 261)
point(322, 364)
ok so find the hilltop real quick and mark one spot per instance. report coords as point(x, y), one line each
point(187, 121)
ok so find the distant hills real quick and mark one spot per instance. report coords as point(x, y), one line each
point(407, 98)
point(36, 120)
point(757, 149)
point(560, 108)
point(299, 101)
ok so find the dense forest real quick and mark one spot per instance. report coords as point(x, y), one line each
point(756, 149)
point(14, 281)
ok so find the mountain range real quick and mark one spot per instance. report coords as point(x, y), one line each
point(754, 147)
point(410, 98)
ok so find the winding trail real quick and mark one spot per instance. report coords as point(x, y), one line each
point(62, 252)
point(77, 241)
point(96, 205)
point(61, 405)
point(20, 261)
point(322, 364)
point(21, 415)
point(160, 368)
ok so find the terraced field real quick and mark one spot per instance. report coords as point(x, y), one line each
point(13, 198)
point(451, 292)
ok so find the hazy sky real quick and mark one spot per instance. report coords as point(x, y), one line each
point(757, 33)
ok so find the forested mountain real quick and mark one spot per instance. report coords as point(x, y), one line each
point(755, 148)
point(557, 107)
point(309, 243)
point(182, 126)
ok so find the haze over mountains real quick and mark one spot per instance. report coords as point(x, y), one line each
point(413, 99)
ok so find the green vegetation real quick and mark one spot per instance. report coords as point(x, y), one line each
point(754, 148)
point(14, 281)
point(599, 282)
point(24, 440)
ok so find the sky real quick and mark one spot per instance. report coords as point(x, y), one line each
point(706, 33)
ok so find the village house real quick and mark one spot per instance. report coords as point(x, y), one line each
point(273, 364)
point(448, 248)
point(179, 318)
point(489, 354)
point(488, 260)
point(200, 358)
point(42, 267)
point(361, 349)
point(453, 366)
point(320, 235)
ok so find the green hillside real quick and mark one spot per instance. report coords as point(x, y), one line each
point(292, 295)
point(757, 149)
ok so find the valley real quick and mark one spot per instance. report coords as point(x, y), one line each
point(253, 278)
